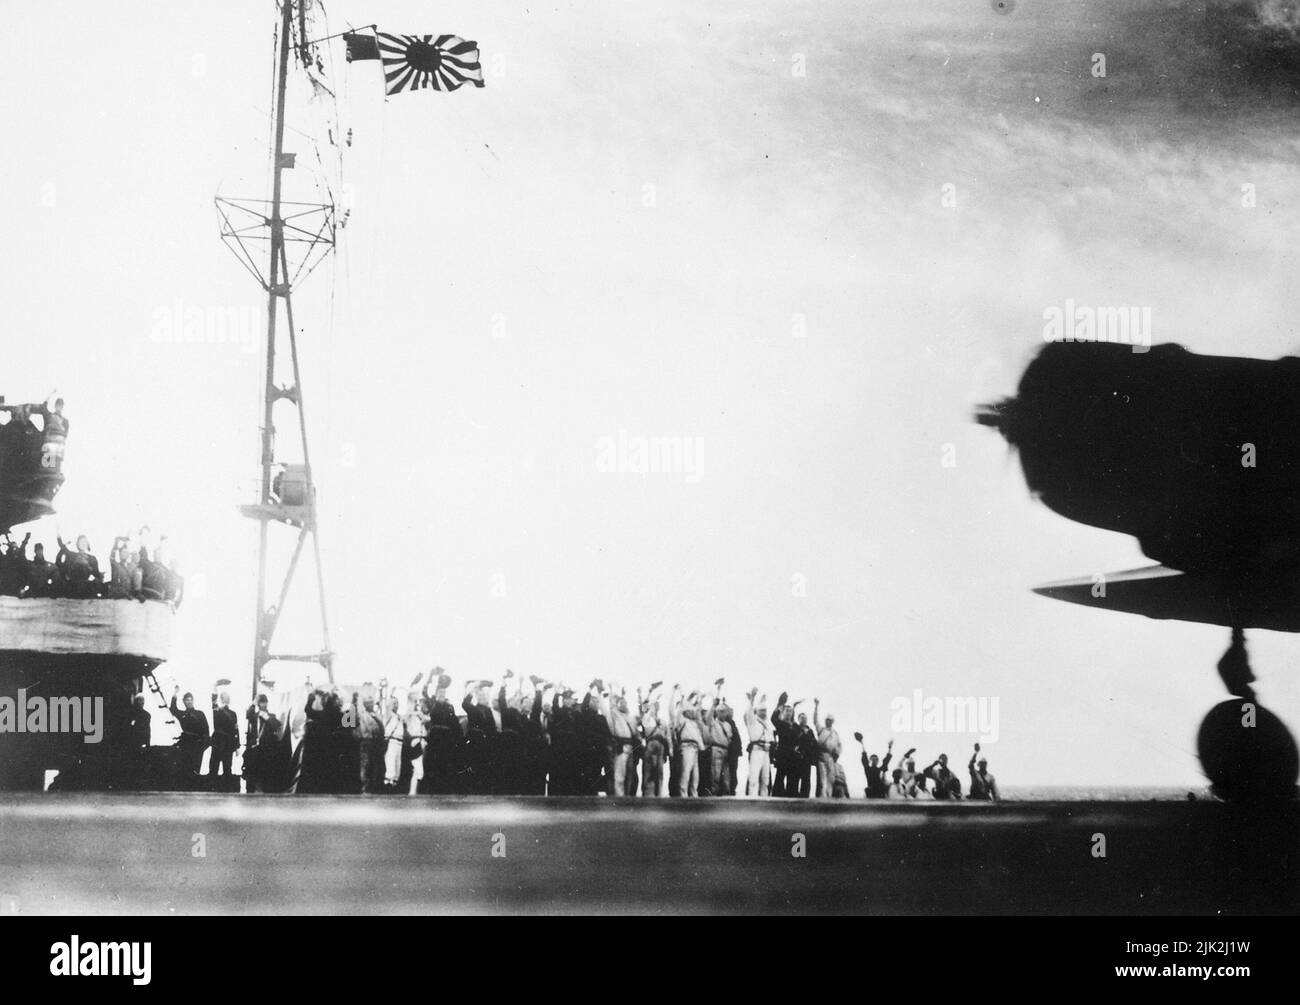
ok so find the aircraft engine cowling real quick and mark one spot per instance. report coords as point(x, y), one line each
point(1198, 457)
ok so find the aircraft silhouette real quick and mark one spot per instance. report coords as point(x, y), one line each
point(1198, 457)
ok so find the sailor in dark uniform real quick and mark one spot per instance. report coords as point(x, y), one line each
point(511, 764)
point(318, 766)
point(225, 741)
point(443, 744)
point(537, 753)
point(593, 744)
point(139, 739)
point(735, 751)
point(563, 730)
point(141, 730)
point(78, 570)
point(40, 573)
point(806, 755)
point(260, 747)
point(785, 778)
point(946, 785)
point(194, 735)
point(520, 756)
point(14, 566)
point(876, 770)
point(481, 733)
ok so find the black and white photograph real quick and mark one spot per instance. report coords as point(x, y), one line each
point(764, 458)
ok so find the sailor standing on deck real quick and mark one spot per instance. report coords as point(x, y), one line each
point(760, 746)
point(805, 756)
point(784, 759)
point(260, 738)
point(828, 751)
point(735, 751)
point(622, 738)
point(225, 739)
point(413, 750)
point(318, 760)
point(40, 574)
point(536, 750)
point(370, 747)
point(14, 566)
point(706, 721)
point(686, 728)
point(720, 731)
point(443, 740)
point(394, 741)
point(194, 734)
point(140, 738)
point(593, 743)
point(658, 749)
point(634, 771)
point(563, 730)
point(483, 724)
point(78, 570)
point(511, 764)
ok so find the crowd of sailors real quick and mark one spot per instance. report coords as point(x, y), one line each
point(137, 569)
point(546, 739)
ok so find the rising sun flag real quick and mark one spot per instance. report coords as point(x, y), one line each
point(414, 61)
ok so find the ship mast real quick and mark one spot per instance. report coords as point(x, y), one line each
point(287, 493)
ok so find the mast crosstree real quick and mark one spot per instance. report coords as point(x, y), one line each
point(262, 229)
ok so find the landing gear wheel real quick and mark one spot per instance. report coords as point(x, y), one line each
point(1247, 753)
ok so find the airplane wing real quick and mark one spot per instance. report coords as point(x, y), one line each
point(1268, 600)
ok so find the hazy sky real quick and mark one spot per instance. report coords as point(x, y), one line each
point(649, 224)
